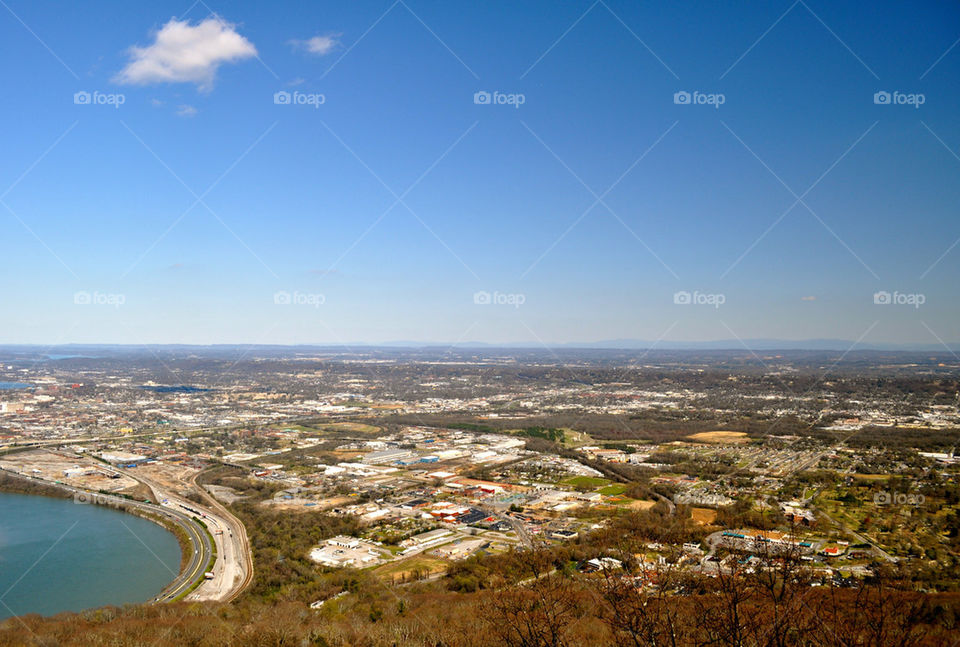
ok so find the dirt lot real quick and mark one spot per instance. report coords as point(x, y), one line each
point(50, 464)
point(358, 427)
point(299, 505)
point(720, 437)
point(345, 456)
point(407, 569)
point(224, 494)
point(167, 475)
point(703, 516)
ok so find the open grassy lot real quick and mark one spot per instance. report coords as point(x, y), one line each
point(872, 477)
point(573, 438)
point(585, 481)
point(614, 489)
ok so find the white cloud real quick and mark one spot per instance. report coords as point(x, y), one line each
point(185, 53)
point(319, 45)
point(186, 111)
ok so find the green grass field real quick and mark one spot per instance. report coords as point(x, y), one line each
point(614, 489)
point(586, 481)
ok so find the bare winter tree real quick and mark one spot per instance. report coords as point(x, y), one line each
point(537, 612)
point(641, 605)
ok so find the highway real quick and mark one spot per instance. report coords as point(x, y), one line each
point(233, 569)
point(199, 541)
point(198, 561)
point(237, 567)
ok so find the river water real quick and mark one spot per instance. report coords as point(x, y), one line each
point(56, 555)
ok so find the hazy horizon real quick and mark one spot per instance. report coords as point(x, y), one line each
point(732, 345)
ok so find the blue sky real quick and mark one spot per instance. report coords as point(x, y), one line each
point(205, 209)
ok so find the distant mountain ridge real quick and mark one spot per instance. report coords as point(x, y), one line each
point(758, 344)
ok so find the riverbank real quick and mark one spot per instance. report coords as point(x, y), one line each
point(11, 484)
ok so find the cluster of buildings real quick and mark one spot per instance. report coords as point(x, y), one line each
point(766, 541)
point(341, 551)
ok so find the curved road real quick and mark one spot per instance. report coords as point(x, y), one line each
point(237, 552)
point(232, 571)
point(198, 561)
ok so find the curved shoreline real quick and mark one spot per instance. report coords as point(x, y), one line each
point(196, 548)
